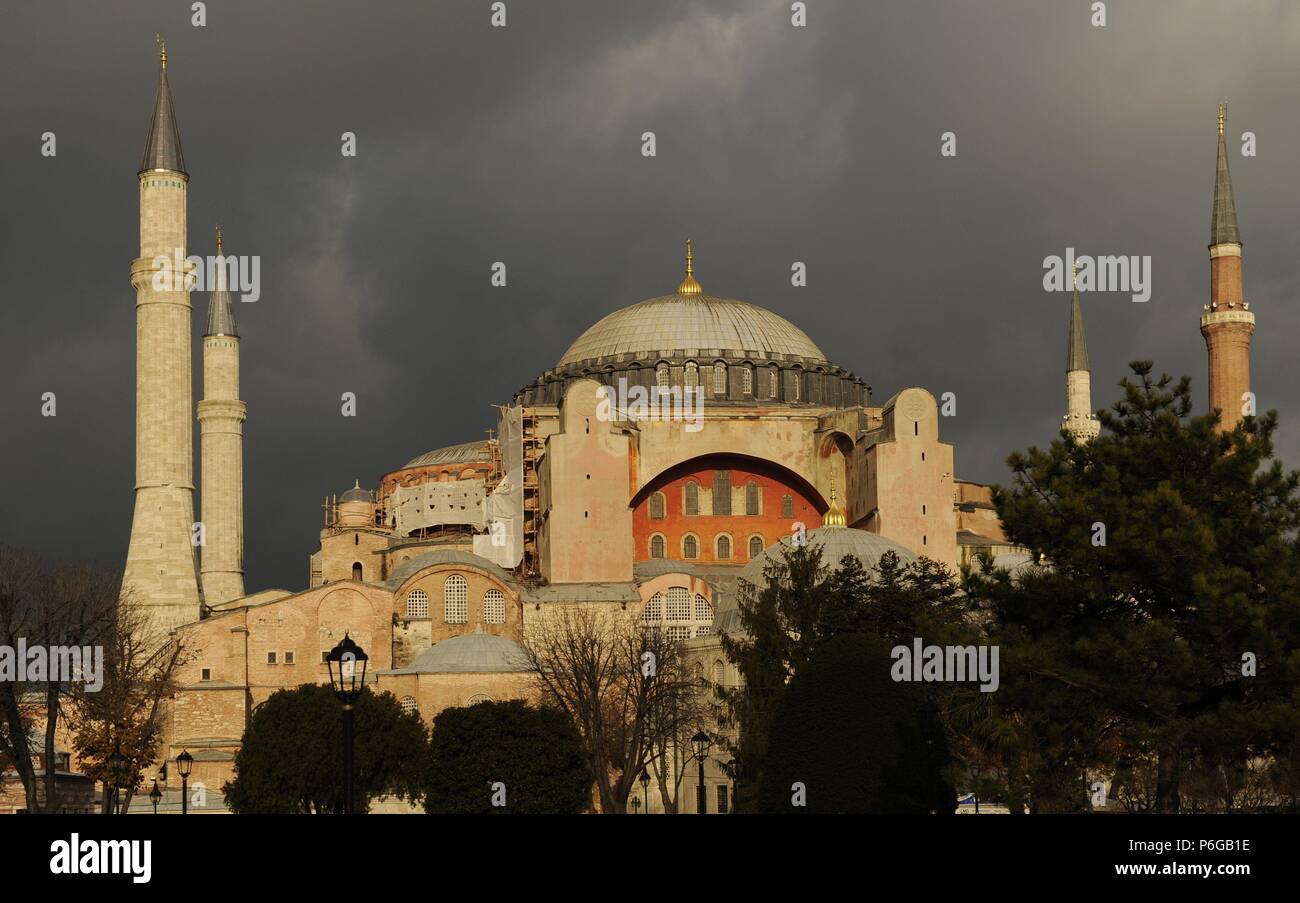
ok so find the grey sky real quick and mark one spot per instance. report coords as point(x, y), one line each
point(521, 144)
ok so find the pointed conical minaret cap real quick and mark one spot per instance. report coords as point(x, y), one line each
point(1223, 223)
point(834, 516)
point(221, 312)
point(688, 285)
point(162, 150)
point(1077, 357)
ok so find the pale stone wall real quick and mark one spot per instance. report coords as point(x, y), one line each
point(161, 568)
point(1079, 419)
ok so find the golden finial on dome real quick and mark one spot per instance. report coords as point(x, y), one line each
point(834, 516)
point(689, 286)
point(1221, 107)
point(162, 50)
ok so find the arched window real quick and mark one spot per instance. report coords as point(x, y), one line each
point(795, 381)
point(417, 604)
point(771, 383)
point(722, 492)
point(654, 609)
point(751, 498)
point(679, 604)
point(657, 506)
point(479, 697)
point(662, 377)
point(690, 547)
point(691, 495)
point(692, 377)
point(703, 610)
point(747, 379)
point(410, 706)
point(455, 600)
point(755, 546)
point(720, 378)
point(494, 607)
point(787, 505)
point(356, 570)
point(657, 546)
point(719, 671)
point(724, 547)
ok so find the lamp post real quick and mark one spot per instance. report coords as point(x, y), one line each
point(155, 795)
point(184, 765)
point(116, 766)
point(636, 805)
point(645, 788)
point(701, 743)
point(347, 684)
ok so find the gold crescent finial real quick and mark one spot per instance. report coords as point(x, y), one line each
point(218, 241)
point(162, 50)
point(1222, 106)
point(688, 285)
point(834, 516)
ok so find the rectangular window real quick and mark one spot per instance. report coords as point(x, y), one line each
point(205, 674)
point(270, 658)
point(721, 492)
point(747, 380)
point(288, 658)
point(723, 807)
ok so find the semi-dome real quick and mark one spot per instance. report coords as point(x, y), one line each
point(692, 321)
point(835, 543)
point(470, 653)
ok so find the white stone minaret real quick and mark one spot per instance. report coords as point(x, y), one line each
point(160, 562)
point(1080, 422)
point(221, 447)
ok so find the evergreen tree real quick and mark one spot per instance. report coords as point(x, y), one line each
point(1165, 622)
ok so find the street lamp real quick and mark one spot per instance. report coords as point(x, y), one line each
point(155, 795)
point(636, 805)
point(184, 765)
point(645, 788)
point(701, 743)
point(342, 662)
point(116, 768)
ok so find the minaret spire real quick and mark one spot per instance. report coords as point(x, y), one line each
point(162, 150)
point(1223, 222)
point(221, 312)
point(1227, 323)
point(1080, 422)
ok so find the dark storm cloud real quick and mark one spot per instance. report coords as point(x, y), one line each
point(521, 144)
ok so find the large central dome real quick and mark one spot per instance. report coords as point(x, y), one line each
point(678, 322)
point(692, 322)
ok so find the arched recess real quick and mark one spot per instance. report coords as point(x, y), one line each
point(682, 468)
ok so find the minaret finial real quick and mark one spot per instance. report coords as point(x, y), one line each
point(688, 285)
point(1222, 106)
point(162, 50)
point(218, 241)
point(1076, 275)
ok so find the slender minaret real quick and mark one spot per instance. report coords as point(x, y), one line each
point(160, 567)
point(221, 447)
point(1080, 421)
point(1227, 323)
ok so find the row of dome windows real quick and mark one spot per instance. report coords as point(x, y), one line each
point(411, 707)
point(691, 379)
point(721, 499)
point(690, 546)
point(455, 603)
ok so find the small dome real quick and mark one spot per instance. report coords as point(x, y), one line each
point(469, 653)
point(835, 542)
point(477, 452)
point(356, 494)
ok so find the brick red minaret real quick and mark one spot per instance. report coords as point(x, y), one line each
point(1227, 323)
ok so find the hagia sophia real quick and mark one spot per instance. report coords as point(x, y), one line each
point(438, 567)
